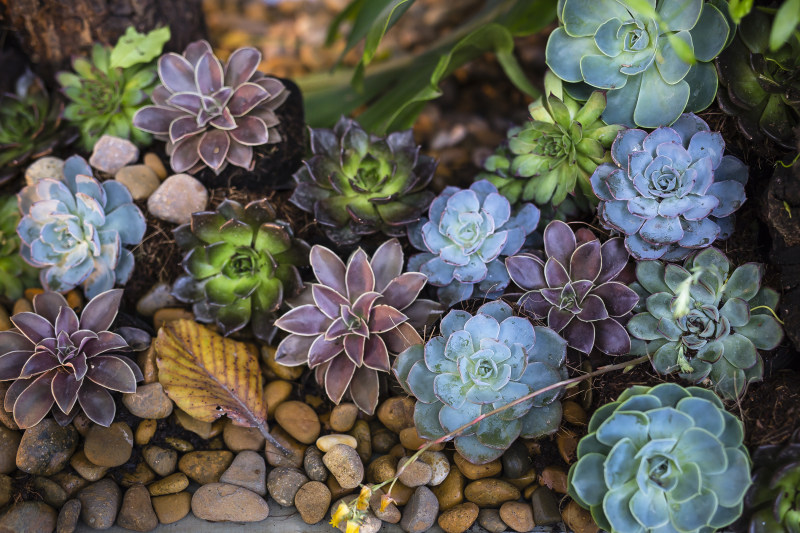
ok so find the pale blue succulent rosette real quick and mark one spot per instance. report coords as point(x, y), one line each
point(466, 234)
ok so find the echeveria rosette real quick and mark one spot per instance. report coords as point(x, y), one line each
point(480, 363)
point(465, 237)
point(15, 274)
point(670, 191)
point(75, 230)
point(209, 114)
point(241, 265)
point(662, 459)
point(575, 290)
point(613, 46)
point(729, 317)
point(357, 184)
point(347, 326)
point(63, 364)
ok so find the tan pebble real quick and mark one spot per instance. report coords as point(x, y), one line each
point(5, 320)
point(523, 481)
point(578, 519)
point(168, 314)
point(288, 373)
point(382, 469)
point(574, 413)
point(87, 470)
point(414, 473)
point(491, 492)
point(149, 401)
point(363, 438)
point(9, 445)
point(490, 520)
point(275, 393)
point(140, 180)
point(337, 491)
point(82, 423)
point(171, 484)
point(156, 165)
point(326, 442)
point(554, 478)
point(145, 431)
point(529, 490)
point(411, 440)
point(299, 420)
point(398, 451)
point(390, 514)
point(109, 446)
point(440, 466)
point(397, 413)
point(238, 438)
point(70, 482)
point(181, 445)
point(277, 458)
point(517, 515)
point(147, 363)
point(203, 429)
point(313, 400)
point(218, 502)
point(401, 493)
point(567, 446)
point(161, 460)
point(31, 292)
point(205, 467)
point(172, 507)
point(75, 300)
point(343, 416)
point(344, 463)
point(23, 305)
point(312, 501)
point(459, 518)
point(450, 492)
point(141, 474)
point(473, 471)
point(383, 440)
point(137, 512)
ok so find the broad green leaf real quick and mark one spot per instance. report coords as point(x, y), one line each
point(134, 48)
point(739, 8)
point(786, 20)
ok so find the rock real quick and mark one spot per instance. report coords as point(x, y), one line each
point(70, 482)
point(144, 432)
point(147, 363)
point(5, 321)
point(382, 469)
point(172, 507)
point(414, 474)
point(299, 420)
point(82, 423)
point(421, 511)
point(371, 524)
point(158, 297)
point(155, 164)
point(23, 305)
point(137, 512)
point(46, 448)
point(491, 492)
point(451, 491)
point(238, 438)
point(166, 315)
point(516, 461)
point(527, 479)
point(517, 515)
point(109, 446)
point(204, 430)
point(141, 474)
point(459, 518)
point(112, 153)
point(397, 413)
point(9, 443)
point(140, 180)
point(567, 446)
point(398, 451)
point(180, 445)
point(275, 369)
point(205, 467)
point(390, 514)
point(171, 484)
point(402, 494)
point(383, 440)
point(51, 492)
point(326, 442)
point(276, 392)
point(554, 478)
point(336, 490)
point(344, 463)
point(100, 503)
point(312, 501)
point(223, 502)
point(363, 438)
point(6, 490)
point(490, 520)
point(578, 519)
point(44, 168)
point(29, 517)
point(6, 418)
point(161, 460)
point(343, 416)
point(283, 483)
point(68, 517)
point(473, 471)
point(411, 440)
point(574, 413)
point(177, 198)
point(545, 507)
point(440, 466)
point(248, 470)
point(313, 465)
point(149, 401)
point(296, 450)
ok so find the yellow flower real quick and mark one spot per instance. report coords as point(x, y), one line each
point(386, 500)
point(341, 514)
point(352, 527)
point(362, 503)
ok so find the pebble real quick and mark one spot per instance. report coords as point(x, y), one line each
point(490, 520)
point(29, 517)
point(112, 153)
point(223, 502)
point(440, 466)
point(278, 370)
point(45, 168)
point(141, 474)
point(82, 423)
point(181, 445)
point(421, 511)
point(390, 514)
point(459, 518)
point(326, 442)
point(411, 440)
point(70, 482)
point(177, 198)
point(161, 460)
point(149, 401)
point(5, 325)
point(144, 432)
point(574, 413)
point(578, 519)
point(517, 515)
point(545, 507)
point(402, 494)
point(172, 507)
point(204, 430)
point(205, 467)
point(363, 438)
point(9, 443)
point(46, 448)
point(68, 517)
point(137, 511)
point(166, 315)
point(247, 470)
point(312, 501)
point(23, 305)
point(525, 480)
point(491, 492)
point(398, 451)
point(140, 180)
point(109, 446)
point(343, 416)
point(50, 491)
point(554, 478)
point(276, 458)
point(171, 484)
point(473, 471)
point(313, 465)
point(99, 504)
point(451, 491)
point(516, 461)
point(239, 438)
point(397, 413)
point(414, 474)
point(567, 446)
point(158, 297)
point(336, 490)
point(299, 420)
point(275, 393)
point(383, 440)
point(345, 464)
point(155, 164)
point(382, 469)
point(6, 489)
point(147, 363)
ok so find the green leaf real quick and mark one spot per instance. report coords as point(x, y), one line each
point(786, 20)
point(739, 8)
point(134, 48)
point(644, 7)
point(347, 14)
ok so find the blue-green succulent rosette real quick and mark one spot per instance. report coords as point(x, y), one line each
point(465, 237)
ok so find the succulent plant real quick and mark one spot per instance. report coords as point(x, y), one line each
point(464, 238)
point(480, 363)
point(64, 364)
point(357, 184)
point(670, 191)
point(15, 274)
point(772, 504)
point(662, 459)
point(629, 49)
point(705, 320)
point(76, 230)
point(212, 115)
point(762, 87)
point(576, 289)
point(241, 265)
point(347, 325)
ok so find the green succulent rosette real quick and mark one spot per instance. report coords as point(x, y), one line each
point(15, 274)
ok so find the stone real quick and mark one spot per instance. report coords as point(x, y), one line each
point(158, 297)
point(299, 420)
point(70, 482)
point(23, 305)
point(312, 501)
point(149, 401)
point(421, 511)
point(165, 315)
point(567, 445)
point(223, 502)
point(554, 478)
point(277, 458)
point(578, 519)
point(137, 511)
point(283, 483)
point(516, 461)
point(140, 180)
point(450, 492)
point(239, 438)
point(99, 504)
point(171, 484)
point(112, 153)
point(517, 515)
point(440, 466)
point(363, 438)
point(473, 471)
point(141, 474)
point(401, 494)
point(146, 360)
point(326, 442)
point(144, 432)
point(172, 507)
point(336, 490)
point(343, 416)
point(68, 516)
point(46, 448)
point(397, 413)
point(155, 164)
point(525, 480)
point(177, 198)
point(491, 492)
point(490, 520)
point(414, 474)
point(205, 467)
point(275, 393)
point(109, 446)
point(161, 460)
point(574, 413)
point(9, 444)
point(7, 490)
point(44, 168)
point(82, 423)
point(29, 517)
point(344, 463)
point(383, 440)
point(204, 430)
point(545, 507)
point(390, 514)
point(313, 465)
point(180, 445)
point(411, 440)
point(51, 492)
point(247, 470)
point(382, 469)
point(277, 370)
point(459, 518)
point(5, 320)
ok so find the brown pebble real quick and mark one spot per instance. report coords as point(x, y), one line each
point(23, 305)
point(82, 423)
point(137, 511)
point(383, 440)
point(141, 474)
point(205, 467)
point(312, 501)
point(172, 507)
point(147, 362)
point(70, 482)
point(360, 431)
point(204, 430)
point(567, 446)
point(109, 446)
point(411, 440)
point(390, 514)
point(344, 463)
point(144, 432)
point(343, 416)
point(161, 460)
point(578, 519)
point(28, 517)
point(490, 520)
point(397, 413)
point(156, 165)
point(401, 493)
point(275, 393)
point(491, 492)
point(223, 502)
point(451, 491)
point(87, 469)
point(337, 491)
point(382, 469)
point(50, 491)
point(473, 471)
point(100, 502)
point(414, 474)
point(459, 518)
point(554, 478)
point(517, 515)
point(525, 480)
point(238, 438)
point(278, 370)
point(574, 413)
point(68, 516)
point(180, 445)
point(171, 484)
point(299, 420)
point(277, 458)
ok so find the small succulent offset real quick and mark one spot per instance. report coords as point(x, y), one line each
point(15, 274)
point(662, 459)
point(209, 114)
point(64, 364)
point(241, 265)
point(346, 326)
point(670, 191)
point(357, 184)
point(576, 289)
point(76, 230)
point(480, 363)
point(640, 53)
point(464, 238)
point(705, 320)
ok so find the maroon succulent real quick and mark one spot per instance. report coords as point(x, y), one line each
point(62, 363)
point(577, 288)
